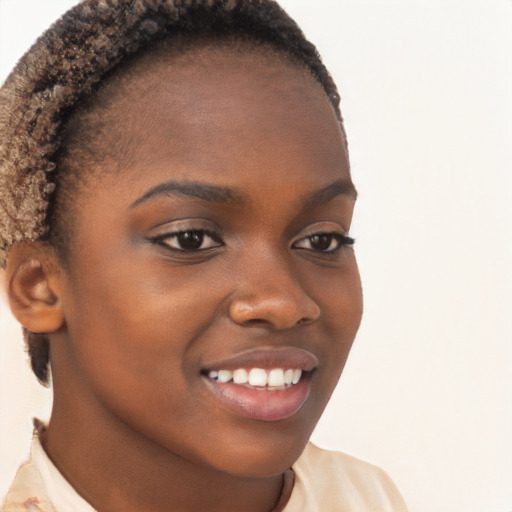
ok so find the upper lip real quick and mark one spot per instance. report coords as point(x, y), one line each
point(267, 358)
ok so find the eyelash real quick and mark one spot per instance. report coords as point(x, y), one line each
point(201, 233)
point(341, 240)
point(197, 236)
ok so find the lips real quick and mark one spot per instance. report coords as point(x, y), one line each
point(264, 384)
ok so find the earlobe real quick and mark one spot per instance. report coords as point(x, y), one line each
point(32, 284)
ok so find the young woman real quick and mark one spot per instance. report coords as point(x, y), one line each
point(175, 206)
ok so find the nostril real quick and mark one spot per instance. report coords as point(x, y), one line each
point(256, 321)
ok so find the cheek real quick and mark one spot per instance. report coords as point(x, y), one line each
point(132, 333)
point(339, 294)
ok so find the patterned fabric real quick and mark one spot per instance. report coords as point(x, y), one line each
point(324, 482)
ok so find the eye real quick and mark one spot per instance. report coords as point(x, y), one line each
point(190, 240)
point(324, 242)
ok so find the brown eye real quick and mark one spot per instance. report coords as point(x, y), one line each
point(190, 241)
point(324, 242)
point(321, 242)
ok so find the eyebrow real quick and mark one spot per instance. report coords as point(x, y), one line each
point(203, 191)
point(341, 187)
point(228, 195)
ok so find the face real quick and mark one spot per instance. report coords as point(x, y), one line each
point(211, 295)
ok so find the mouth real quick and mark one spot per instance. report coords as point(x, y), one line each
point(263, 384)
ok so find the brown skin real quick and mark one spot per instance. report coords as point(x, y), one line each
point(133, 322)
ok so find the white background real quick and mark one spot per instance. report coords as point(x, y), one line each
point(427, 97)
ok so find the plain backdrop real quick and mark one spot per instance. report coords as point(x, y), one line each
point(427, 98)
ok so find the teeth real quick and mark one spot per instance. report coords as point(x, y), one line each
point(258, 377)
point(240, 376)
point(296, 376)
point(276, 378)
point(224, 376)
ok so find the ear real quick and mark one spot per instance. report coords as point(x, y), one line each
point(33, 287)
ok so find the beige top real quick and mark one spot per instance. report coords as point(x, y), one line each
point(324, 482)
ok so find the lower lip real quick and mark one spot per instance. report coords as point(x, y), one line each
point(262, 404)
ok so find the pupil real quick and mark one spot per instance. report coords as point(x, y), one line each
point(190, 240)
point(321, 242)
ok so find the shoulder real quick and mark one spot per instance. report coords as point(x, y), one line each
point(40, 487)
point(27, 492)
point(326, 480)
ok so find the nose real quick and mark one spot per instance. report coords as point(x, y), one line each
point(269, 294)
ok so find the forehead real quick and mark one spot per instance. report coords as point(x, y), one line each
point(231, 115)
point(220, 91)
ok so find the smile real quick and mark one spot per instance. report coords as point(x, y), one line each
point(276, 379)
point(263, 384)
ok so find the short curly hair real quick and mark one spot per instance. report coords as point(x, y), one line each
point(68, 63)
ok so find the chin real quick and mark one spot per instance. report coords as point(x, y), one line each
point(262, 456)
